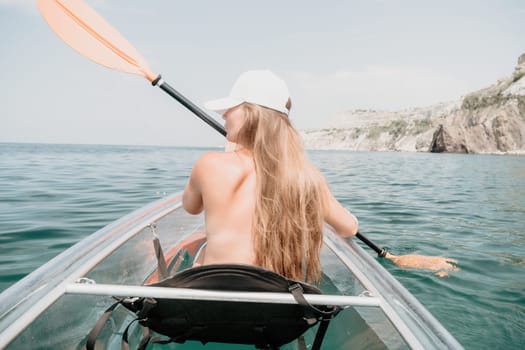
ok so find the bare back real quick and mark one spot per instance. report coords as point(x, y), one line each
point(226, 183)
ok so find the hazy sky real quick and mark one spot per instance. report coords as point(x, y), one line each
point(335, 56)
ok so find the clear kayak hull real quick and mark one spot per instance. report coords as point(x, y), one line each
point(54, 307)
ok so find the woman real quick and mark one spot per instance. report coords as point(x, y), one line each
point(264, 202)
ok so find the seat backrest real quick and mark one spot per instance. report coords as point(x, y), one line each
point(261, 324)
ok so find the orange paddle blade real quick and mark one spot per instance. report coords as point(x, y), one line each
point(434, 263)
point(92, 36)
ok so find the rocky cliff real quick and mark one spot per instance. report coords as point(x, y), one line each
point(491, 120)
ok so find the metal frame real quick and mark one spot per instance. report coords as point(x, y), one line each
point(199, 294)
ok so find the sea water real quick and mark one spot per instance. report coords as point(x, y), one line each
point(467, 207)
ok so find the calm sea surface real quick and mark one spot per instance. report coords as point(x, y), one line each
point(467, 207)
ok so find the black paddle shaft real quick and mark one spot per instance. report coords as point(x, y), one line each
point(191, 106)
point(380, 251)
point(214, 124)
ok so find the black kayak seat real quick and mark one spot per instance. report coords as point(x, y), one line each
point(264, 325)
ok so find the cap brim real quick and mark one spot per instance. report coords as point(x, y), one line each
point(221, 105)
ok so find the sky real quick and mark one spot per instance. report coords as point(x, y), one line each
point(334, 55)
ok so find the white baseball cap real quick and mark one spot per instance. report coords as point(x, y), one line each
point(261, 87)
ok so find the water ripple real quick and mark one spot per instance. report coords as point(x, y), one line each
point(470, 208)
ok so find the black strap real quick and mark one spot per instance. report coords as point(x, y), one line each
point(312, 313)
point(93, 335)
point(124, 344)
point(321, 331)
point(161, 261)
point(297, 292)
point(147, 338)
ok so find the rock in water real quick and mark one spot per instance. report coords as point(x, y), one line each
point(443, 141)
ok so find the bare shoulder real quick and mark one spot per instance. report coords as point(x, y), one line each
point(215, 159)
point(208, 158)
point(214, 163)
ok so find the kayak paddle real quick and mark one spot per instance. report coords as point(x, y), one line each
point(93, 37)
point(79, 26)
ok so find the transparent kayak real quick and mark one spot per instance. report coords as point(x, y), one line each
point(57, 305)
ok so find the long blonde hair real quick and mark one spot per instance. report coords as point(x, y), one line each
point(288, 218)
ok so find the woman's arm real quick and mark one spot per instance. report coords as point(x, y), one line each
point(192, 197)
point(343, 222)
